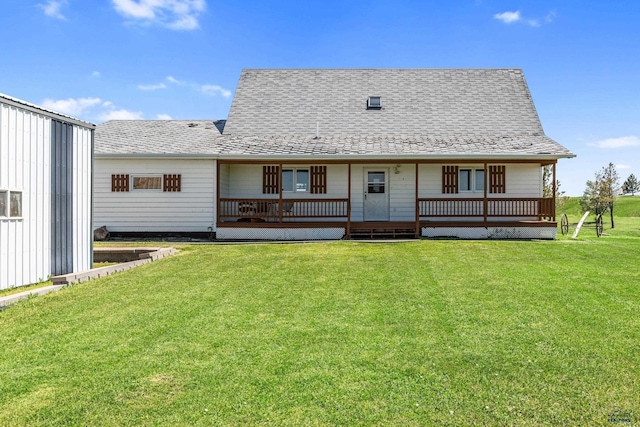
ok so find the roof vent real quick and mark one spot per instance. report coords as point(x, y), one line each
point(374, 103)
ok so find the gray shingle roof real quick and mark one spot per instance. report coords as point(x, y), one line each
point(414, 102)
point(410, 146)
point(426, 113)
point(157, 136)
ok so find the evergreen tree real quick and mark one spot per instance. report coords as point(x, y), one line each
point(631, 185)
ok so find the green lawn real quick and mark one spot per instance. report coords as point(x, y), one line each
point(345, 333)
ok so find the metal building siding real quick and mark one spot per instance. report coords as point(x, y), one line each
point(24, 167)
point(81, 203)
point(48, 159)
point(61, 198)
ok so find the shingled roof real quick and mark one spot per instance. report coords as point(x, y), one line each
point(429, 102)
point(425, 113)
point(170, 137)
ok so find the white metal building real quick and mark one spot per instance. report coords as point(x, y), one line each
point(46, 163)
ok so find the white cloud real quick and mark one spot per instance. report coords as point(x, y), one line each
point(511, 17)
point(164, 117)
point(550, 16)
point(623, 167)
point(173, 14)
point(121, 115)
point(175, 81)
point(215, 90)
point(624, 141)
point(71, 106)
point(508, 17)
point(207, 89)
point(152, 87)
point(52, 8)
point(95, 74)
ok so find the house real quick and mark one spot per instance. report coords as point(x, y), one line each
point(45, 193)
point(334, 153)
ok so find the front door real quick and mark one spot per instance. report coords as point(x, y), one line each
point(376, 195)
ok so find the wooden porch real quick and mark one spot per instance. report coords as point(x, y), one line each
point(430, 212)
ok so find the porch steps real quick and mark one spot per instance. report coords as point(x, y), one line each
point(382, 231)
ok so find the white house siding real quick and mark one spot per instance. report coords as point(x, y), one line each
point(245, 181)
point(522, 180)
point(402, 193)
point(190, 210)
point(25, 166)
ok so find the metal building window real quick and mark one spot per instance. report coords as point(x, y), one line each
point(3, 203)
point(15, 204)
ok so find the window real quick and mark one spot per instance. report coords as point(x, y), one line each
point(10, 204)
point(455, 179)
point(295, 180)
point(3, 203)
point(375, 182)
point(374, 103)
point(471, 180)
point(15, 204)
point(147, 183)
point(479, 180)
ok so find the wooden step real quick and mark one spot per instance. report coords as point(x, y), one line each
point(383, 233)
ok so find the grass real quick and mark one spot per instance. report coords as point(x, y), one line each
point(419, 333)
point(19, 289)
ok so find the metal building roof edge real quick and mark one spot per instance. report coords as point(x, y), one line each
point(16, 102)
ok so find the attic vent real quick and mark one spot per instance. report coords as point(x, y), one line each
point(374, 103)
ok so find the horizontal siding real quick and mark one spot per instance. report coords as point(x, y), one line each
point(522, 180)
point(190, 210)
point(401, 191)
point(245, 181)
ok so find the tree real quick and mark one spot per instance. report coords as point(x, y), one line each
point(602, 192)
point(547, 188)
point(631, 185)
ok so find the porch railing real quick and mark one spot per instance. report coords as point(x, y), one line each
point(274, 210)
point(495, 207)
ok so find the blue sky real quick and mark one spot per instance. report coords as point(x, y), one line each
point(181, 59)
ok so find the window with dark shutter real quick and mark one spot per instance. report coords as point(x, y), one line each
point(270, 179)
point(318, 179)
point(172, 182)
point(497, 179)
point(119, 182)
point(449, 179)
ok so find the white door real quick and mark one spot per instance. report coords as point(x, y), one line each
point(376, 195)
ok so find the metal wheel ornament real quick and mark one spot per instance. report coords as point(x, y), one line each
point(599, 226)
point(564, 224)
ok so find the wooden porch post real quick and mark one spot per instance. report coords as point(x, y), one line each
point(417, 206)
point(485, 204)
point(218, 165)
point(280, 193)
point(553, 207)
point(349, 201)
